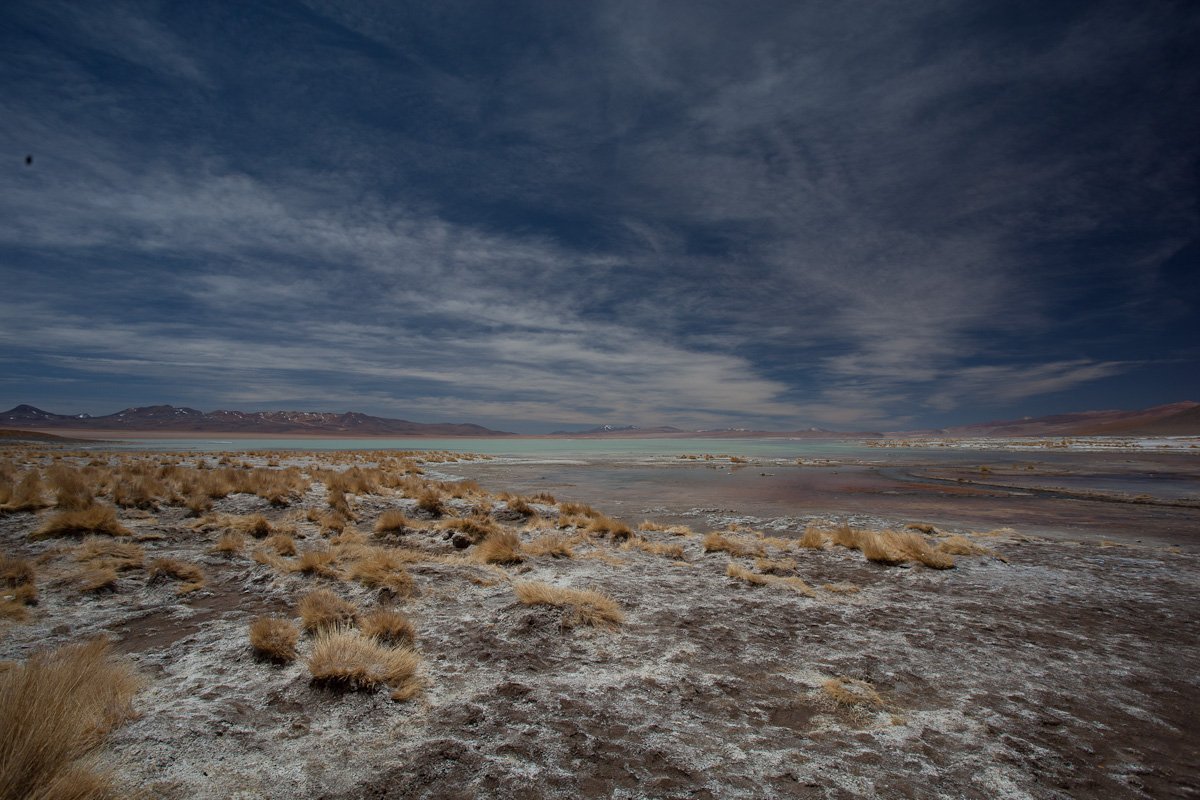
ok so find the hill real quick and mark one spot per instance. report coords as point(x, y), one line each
point(168, 419)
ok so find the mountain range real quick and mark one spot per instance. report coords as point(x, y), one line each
point(168, 419)
point(1175, 419)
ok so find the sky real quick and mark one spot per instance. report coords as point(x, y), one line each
point(545, 215)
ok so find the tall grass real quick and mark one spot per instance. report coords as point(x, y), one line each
point(55, 712)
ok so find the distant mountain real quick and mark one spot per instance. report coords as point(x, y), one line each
point(1176, 419)
point(1181, 419)
point(625, 430)
point(168, 419)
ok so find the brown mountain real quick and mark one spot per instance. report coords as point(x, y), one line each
point(168, 419)
point(1092, 423)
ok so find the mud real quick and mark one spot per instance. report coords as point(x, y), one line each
point(1066, 671)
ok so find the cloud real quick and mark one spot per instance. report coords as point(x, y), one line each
point(772, 216)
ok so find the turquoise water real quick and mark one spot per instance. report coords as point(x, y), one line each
point(529, 448)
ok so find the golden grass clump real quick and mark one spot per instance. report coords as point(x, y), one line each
point(94, 519)
point(782, 566)
point(229, 543)
point(71, 489)
point(913, 547)
point(920, 527)
point(429, 500)
point(674, 551)
point(55, 711)
point(736, 570)
point(344, 659)
point(190, 576)
point(282, 543)
point(470, 530)
point(732, 544)
point(317, 562)
point(962, 546)
point(843, 692)
point(570, 509)
point(393, 521)
point(255, 525)
point(813, 538)
point(274, 637)
point(389, 624)
point(603, 524)
point(519, 505)
point(17, 587)
point(26, 495)
point(552, 544)
point(500, 548)
point(544, 498)
point(384, 568)
point(583, 607)
point(322, 608)
point(842, 588)
point(103, 552)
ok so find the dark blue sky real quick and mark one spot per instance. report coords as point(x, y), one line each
point(542, 215)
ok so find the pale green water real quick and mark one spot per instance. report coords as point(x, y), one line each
point(529, 448)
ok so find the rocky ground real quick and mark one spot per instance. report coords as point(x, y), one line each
point(1046, 669)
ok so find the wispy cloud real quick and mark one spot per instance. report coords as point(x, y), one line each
point(775, 217)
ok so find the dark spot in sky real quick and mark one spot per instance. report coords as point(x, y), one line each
point(28, 160)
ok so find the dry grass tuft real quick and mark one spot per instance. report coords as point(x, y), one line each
point(25, 495)
point(735, 570)
point(601, 524)
point(732, 544)
point(55, 711)
point(274, 638)
point(519, 505)
point(94, 519)
point(393, 521)
point(255, 525)
point(317, 562)
point(920, 527)
point(101, 552)
point(469, 530)
point(191, 576)
point(322, 609)
point(913, 547)
point(429, 500)
point(962, 546)
point(388, 624)
point(500, 548)
point(552, 544)
point(344, 659)
point(229, 543)
point(674, 551)
point(96, 579)
point(570, 509)
point(842, 588)
point(545, 498)
point(384, 568)
point(282, 543)
point(17, 588)
point(813, 538)
point(783, 566)
point(843, 692)
point(583, 607)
